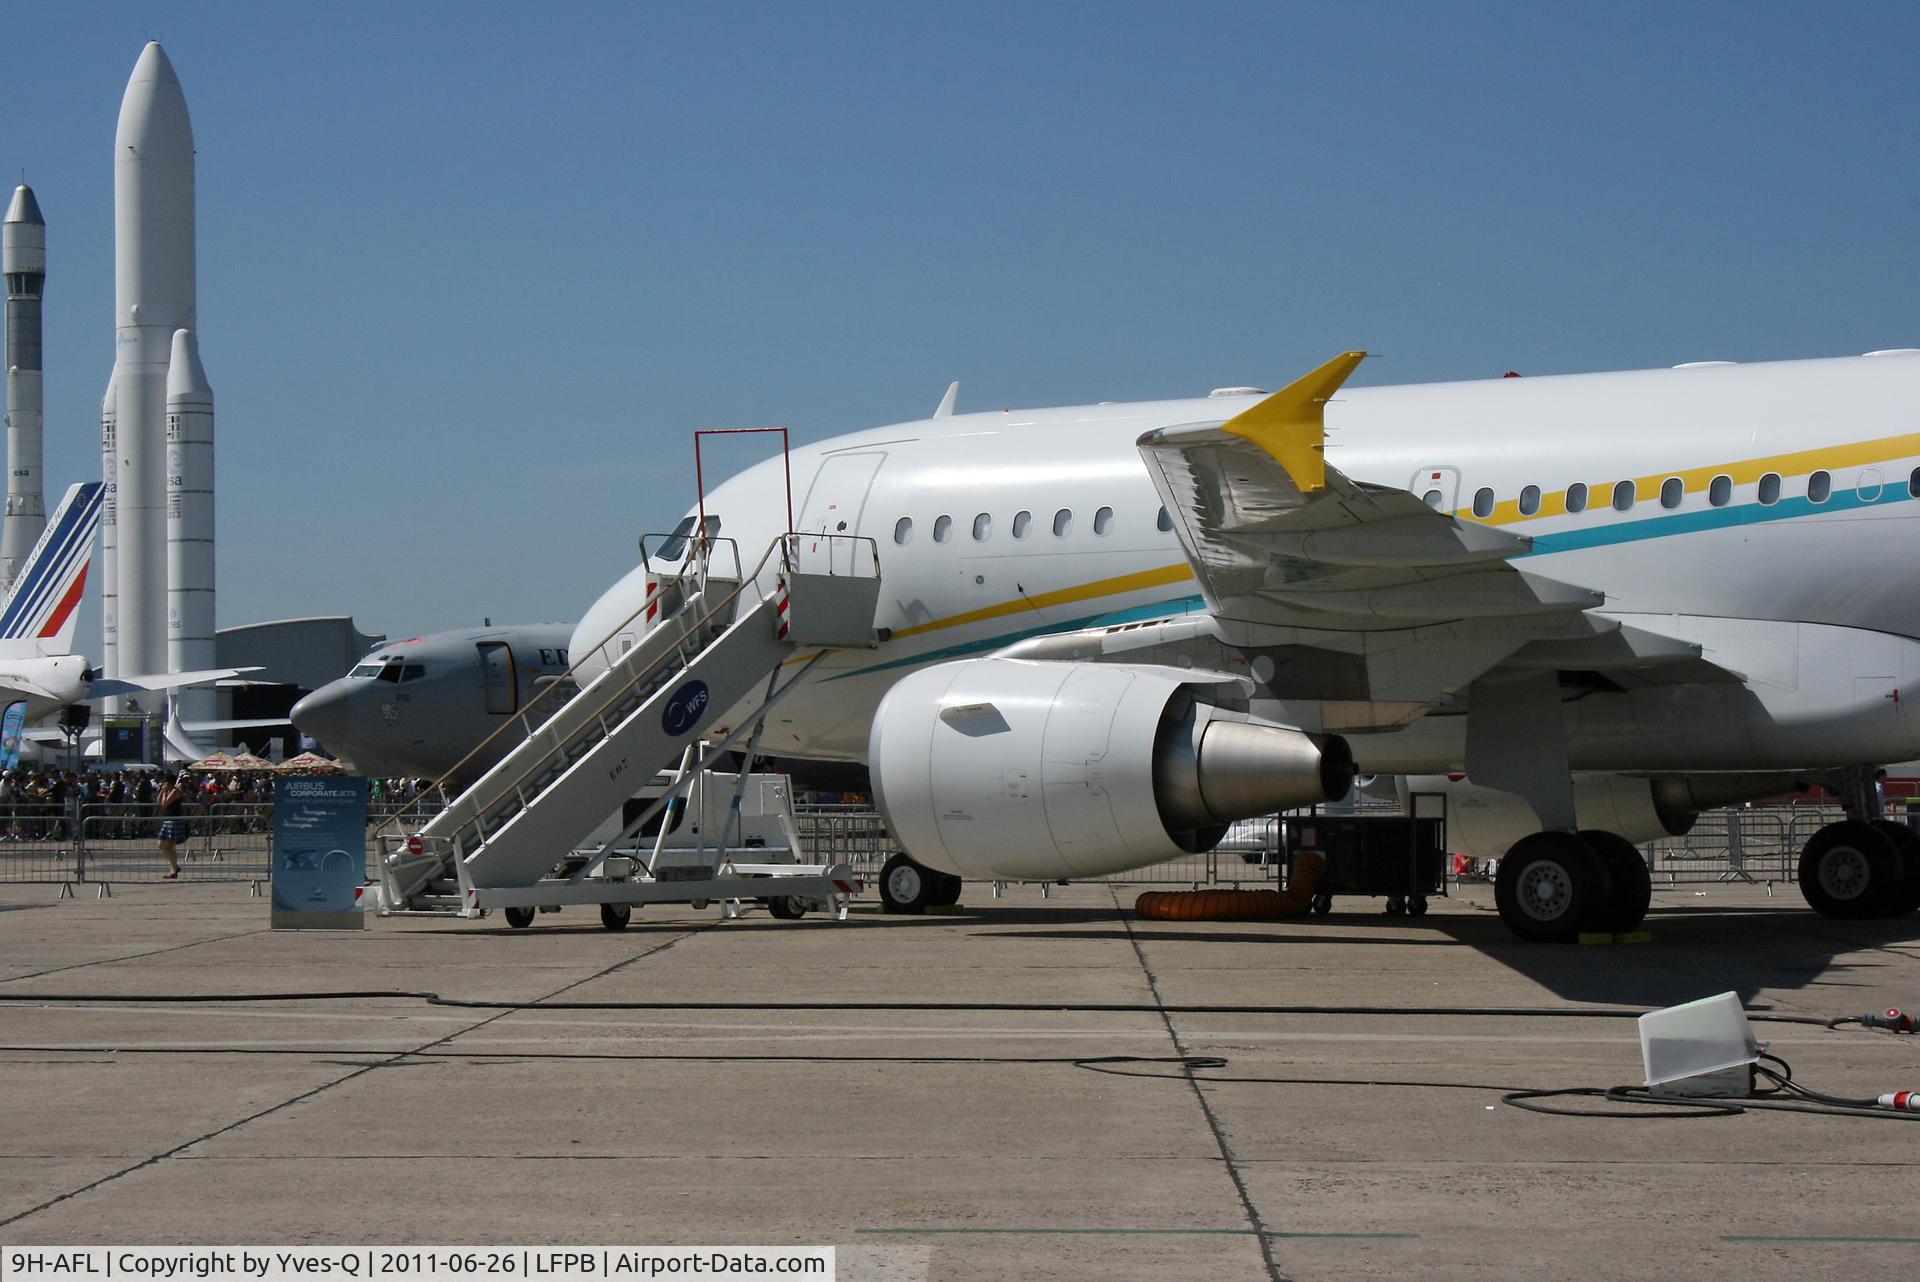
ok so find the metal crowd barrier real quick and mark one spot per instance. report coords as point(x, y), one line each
point(110, 842)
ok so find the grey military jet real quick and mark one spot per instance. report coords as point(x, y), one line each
point(422, 706)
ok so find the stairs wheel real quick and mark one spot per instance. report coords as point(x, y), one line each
point(616, 916)
point(519, 918)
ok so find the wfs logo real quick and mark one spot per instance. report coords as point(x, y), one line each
point(684, 709)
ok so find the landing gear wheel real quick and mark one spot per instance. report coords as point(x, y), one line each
point(1322, 904)
point(1396, 905)
point(786, 907)
point(1632, 883)
point(1907, 842)
point(905, 887)
point(1852, 869)
point(1551, 887)
point(1417, 906)
point(946, 889)
point(519, 918)
point(616, 916)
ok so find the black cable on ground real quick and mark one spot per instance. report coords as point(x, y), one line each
point(1784, 1096)
point(1111, 1008)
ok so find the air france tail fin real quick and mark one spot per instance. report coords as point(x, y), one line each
point(40, 612)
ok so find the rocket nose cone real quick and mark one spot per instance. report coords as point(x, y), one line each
point(154, 65)
point(24, 209)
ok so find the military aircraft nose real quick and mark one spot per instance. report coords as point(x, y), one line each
point(322, 715)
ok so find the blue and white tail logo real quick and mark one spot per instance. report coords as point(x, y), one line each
point(40, 613)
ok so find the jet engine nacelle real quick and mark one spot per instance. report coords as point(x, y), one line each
point(1015, 769)
point(1485, 822)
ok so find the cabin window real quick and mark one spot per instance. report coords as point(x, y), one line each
point(1163, 522)
point(1432, 499)
point(1021, 522)
point(1913, 484)
point(1770, 489)
point(903, 530)
point(1483, 502)
point(1720, 491)
point(1103, 522)
point(1672, 490)
point(1530, 500)
point(982, 527)
point(942, 526)
point(1577, 497)
point(1063, 521)
point(1623, 496)
point(1869, 487)
point(1819, 487)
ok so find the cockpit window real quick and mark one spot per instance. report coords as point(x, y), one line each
point(413, 671)
point(365, 670)
point(676, 545)
point(391, 672)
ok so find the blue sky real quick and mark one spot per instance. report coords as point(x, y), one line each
point(470, 274)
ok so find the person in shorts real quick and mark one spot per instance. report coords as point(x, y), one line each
point(173, 824)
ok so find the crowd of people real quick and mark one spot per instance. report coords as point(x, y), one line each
point(40, 803)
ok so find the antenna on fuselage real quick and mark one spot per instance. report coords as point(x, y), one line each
point(946, 402)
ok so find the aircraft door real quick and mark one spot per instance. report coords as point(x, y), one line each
point(1437, 487)
point(497, 678)
point(834, 505)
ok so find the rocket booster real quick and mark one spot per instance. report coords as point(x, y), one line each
point(190, 645)
point(23, 247)
point(153, 215)
point(109, 547)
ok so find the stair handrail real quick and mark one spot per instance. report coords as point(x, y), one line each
point(778, 545)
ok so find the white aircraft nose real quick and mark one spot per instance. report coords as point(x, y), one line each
point(323, 715)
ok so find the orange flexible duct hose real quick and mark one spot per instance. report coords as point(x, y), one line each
point(1235, 905)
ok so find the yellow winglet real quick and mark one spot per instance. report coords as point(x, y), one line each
point(1291, 424)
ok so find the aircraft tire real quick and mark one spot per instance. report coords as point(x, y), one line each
point(1632, 882)
point(1851, 870)
point(616, 916)
point(1551, 887)
point(946, 890)
point(518, 918)
point(905, 887)
point(1907, 842)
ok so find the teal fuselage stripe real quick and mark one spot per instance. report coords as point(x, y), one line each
point(1138, 613)
point(1657, 527)
point(1716, 518)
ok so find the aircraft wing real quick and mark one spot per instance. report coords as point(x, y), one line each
point(1277, 536)
point(105, 687)
point(1356, 599)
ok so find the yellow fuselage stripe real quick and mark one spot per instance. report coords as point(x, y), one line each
point(1600, 493)
point(1117, 586)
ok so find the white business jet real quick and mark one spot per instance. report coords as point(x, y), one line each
point(1609, 600)
point(37, 663)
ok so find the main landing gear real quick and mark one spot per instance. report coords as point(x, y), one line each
point(908, 887)
point(1860, 868)
point(1554, 885)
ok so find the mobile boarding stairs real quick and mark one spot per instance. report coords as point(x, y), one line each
point(710, 643)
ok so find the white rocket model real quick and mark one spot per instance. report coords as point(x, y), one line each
point(153, 216)
point(109, 546)
point(23, 247)
point(190, 523)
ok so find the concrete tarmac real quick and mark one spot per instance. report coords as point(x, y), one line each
point(939, 1142)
